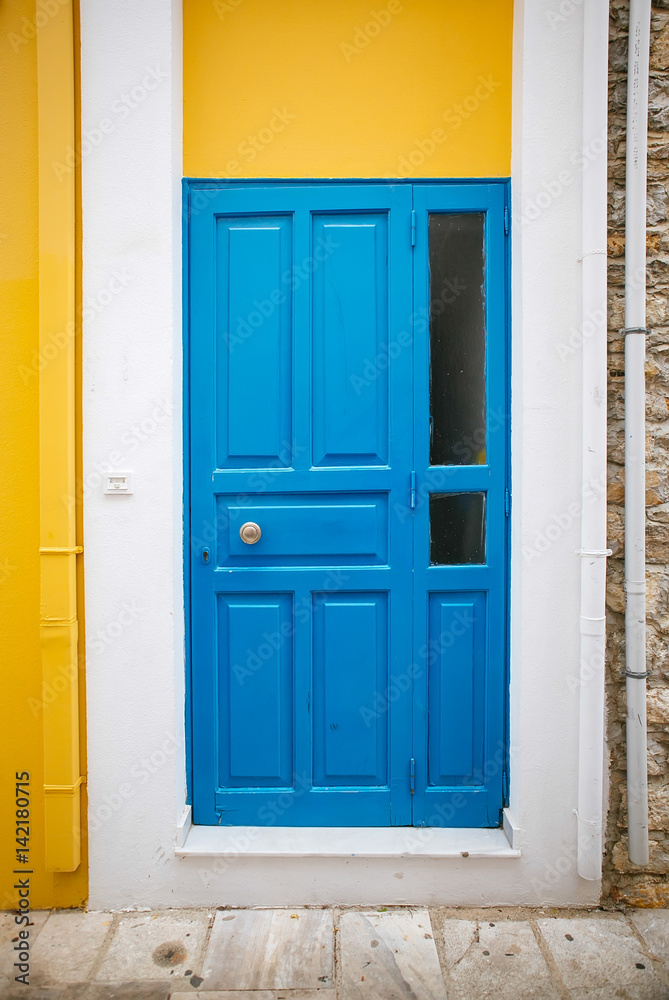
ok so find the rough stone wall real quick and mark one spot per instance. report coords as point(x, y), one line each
point(623, 883)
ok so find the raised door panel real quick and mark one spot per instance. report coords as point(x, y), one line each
point(456, 678)
point(349, 341)
point(350, 668)
point(255, 690)
point(253, 311)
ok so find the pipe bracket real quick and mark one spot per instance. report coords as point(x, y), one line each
point(588, 253)
point(59, 550)
point(65, 789)
point(593, 626)
point(596, 823)
point(637, 676)
point(635, 329)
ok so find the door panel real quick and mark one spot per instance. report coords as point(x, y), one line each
point(347, 388)
point(330, 529)
point(350, 329)
point(254, 341)
point(457, 629)
point(256, 682)
point(350, 748)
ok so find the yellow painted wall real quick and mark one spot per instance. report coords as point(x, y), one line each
point(347, 88)
point(21, 731)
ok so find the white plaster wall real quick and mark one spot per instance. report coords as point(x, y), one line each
point(134, 605)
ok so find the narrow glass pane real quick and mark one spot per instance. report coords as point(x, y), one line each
point(457, 339)
point(457, 529)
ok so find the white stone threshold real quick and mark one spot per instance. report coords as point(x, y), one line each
point(340, 842)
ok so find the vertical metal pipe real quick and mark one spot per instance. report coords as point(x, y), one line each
point(58, 543)
point(635, 428)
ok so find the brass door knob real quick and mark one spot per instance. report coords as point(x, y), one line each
point(250, 532)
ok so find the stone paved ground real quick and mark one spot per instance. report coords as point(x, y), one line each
point(373, 953)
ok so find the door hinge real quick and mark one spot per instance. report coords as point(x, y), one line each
point(507, 502)
point(506, 221)
point(413, 229)
point(412, 491)
point(412, 775)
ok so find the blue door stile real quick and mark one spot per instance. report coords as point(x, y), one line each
point(460, 611)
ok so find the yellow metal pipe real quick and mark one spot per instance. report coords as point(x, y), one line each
point(58, 542)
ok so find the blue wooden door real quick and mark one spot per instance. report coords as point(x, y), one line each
point(299, 425)
point(347, 543)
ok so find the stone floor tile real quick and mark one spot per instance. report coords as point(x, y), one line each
point(653, 925)
point(457, 936)
point(499, 959)
point(597, 954)
point(116, 991)
point(389, 956)
point(654, 990)
point(270, 949)
point(19, 992)
point(160, 945)
point(68, 946)
point(9, 930)
point(324, 994)
point(234, 995)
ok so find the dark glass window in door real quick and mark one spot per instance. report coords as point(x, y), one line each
point(457, 338)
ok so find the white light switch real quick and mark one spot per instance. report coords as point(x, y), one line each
point(118, 482)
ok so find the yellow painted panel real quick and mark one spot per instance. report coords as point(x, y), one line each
point(347, 88)
point(25, 691)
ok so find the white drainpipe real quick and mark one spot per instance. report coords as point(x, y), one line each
point(635, 428)
point(593, 520)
